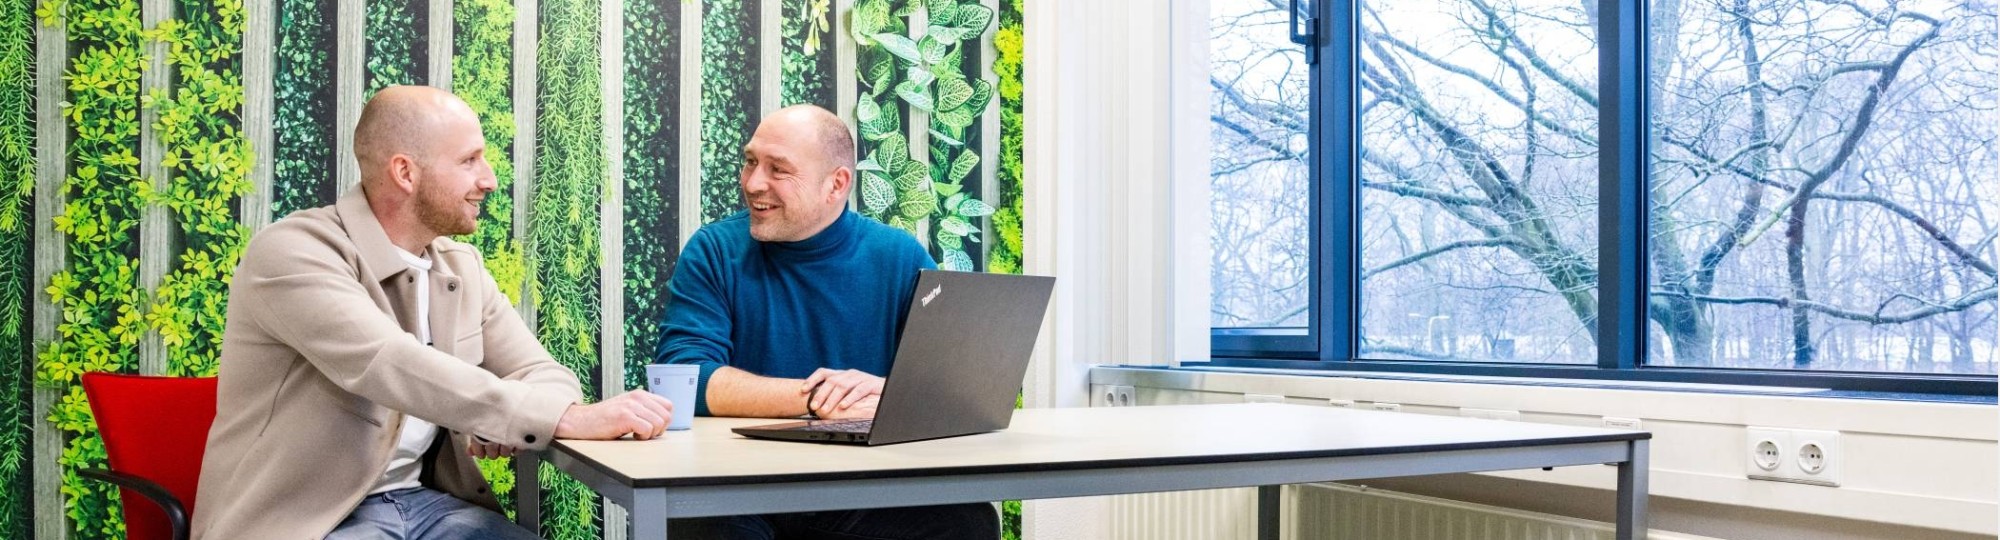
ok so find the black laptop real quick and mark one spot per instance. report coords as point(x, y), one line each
point(959, 365)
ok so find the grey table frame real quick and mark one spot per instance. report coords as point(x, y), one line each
point(650, 508)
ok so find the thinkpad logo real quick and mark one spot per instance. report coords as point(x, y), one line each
point(933, 294)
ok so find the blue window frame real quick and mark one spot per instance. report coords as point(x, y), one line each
point(1331, 336)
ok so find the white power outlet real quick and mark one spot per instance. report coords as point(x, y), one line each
point(1793, 455)
point(1766, 458)
point(1115, 396)
point(1817, 456)
point(1617, 422)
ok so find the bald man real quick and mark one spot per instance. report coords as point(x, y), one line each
point(367, 359)
point(791, 308)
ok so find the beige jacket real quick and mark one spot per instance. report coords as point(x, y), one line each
point(320, 363)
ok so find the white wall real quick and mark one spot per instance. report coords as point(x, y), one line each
point(1112, 208)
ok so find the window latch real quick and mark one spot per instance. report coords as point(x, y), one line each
point(1304, 29)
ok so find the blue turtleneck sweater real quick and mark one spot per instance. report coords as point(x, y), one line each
point(784, 309)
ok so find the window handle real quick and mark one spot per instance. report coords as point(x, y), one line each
point(1310, 24)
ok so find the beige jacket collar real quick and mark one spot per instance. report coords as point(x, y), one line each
point(378, 254)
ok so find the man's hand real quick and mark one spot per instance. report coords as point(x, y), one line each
point(839, 391)
point(479, 448)
point(865, 408)
point(640, 413)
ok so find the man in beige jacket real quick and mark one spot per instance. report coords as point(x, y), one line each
point(367, 359)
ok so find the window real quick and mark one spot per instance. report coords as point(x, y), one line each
point(1823, 182)
point(1478, 180)
point(1784, 192)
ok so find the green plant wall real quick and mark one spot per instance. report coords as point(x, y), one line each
point(903, 79)
point(1005, 256)
point(652, 174)
point(17, 187)
point(926, 90)
point(806, 75)
point(302, 117)
point(562, 229)
point(729, 100)
point(98, 294)
point(482, 73)
point(207, 163)
point(397, 48)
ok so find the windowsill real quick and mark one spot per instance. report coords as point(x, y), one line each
point(1975, 399)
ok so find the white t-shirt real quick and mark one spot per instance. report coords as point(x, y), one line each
point(416, 436)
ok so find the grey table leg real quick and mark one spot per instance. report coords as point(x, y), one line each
point(1632, 494)
point(1267, 511)
point(528, 490)
point(648, 514)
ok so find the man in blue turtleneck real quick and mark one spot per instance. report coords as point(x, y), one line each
point(792, 308)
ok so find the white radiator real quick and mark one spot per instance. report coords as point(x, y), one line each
point(1342, 512)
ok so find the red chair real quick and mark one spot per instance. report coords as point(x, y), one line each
point(155, 430)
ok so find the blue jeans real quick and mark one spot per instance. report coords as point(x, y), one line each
point(972, 521)
point(424, 514)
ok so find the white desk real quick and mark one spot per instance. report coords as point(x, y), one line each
point(1052, 453)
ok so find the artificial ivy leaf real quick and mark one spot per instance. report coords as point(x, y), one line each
point(956, 58)
point(957, 226)
point(876, 193)
point(974, 18)
point(949, 242)
point(956, 119)
point(869, 18)
point(913, 178)
point(982, 93)
point(953, 93)
point(973, 208)
point(866, 111)
point(918, 207)
point(894, 153)
point(933, 50)
point(966, 162)
point(868, 164)
point(948, 190)
point(945, 34)
point(920, 77)
point(956, 260)
point(905, 224)
point(900, 46)
point(915, 95)
point(880, 71)
point(947, 139)
point(942, 13)
point(876, 130)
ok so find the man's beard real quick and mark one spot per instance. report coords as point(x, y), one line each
point(443, 217)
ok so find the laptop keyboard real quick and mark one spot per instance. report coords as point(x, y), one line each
point(838, 426)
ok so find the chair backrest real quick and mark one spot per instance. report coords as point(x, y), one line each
point(155, 428)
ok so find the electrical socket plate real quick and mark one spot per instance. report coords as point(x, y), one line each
point(1617, 422)
point(1793, 455)
point(1490, 414)
point(1263, 398)
point(1816, 457)
point(1114, 396)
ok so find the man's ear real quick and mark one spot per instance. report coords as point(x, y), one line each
point(843, 178)
point(403, 172)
